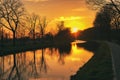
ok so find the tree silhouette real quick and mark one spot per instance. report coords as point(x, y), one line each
point(11, 12)
point(60, 26)
point(103, 18)
point(97, 4)
point(32, 24)
point(21, 31)
point(1, 36)
point(108, 14)
point(42, 25)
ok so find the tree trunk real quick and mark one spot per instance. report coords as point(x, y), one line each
point(14, 38)
point(2, 36)
point(33, 34)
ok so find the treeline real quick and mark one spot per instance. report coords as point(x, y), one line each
point(61, 40)
point(97, 33)
point(21, 31)
point(106, 25)
point(18, 27)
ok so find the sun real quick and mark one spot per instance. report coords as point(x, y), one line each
point(74, 30)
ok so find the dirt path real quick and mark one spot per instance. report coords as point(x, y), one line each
point(115, 52)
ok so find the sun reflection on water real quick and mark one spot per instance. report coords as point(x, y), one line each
point(48, 64)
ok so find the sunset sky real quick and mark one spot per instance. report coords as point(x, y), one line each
point(75, 13)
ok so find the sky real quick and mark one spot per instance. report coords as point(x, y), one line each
point(74, 13)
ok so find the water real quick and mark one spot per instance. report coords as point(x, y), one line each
point(44, 64)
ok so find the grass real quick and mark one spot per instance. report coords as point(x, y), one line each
point(99, 67)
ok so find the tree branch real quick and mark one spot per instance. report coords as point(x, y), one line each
point(5, 26)
point(115, 6)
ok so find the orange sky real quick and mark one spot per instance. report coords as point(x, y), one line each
point(75, 13)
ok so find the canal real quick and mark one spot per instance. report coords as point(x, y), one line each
point(44, 64)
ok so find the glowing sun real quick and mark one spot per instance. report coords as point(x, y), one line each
point(74, 30)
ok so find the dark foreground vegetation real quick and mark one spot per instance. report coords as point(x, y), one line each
point(106, 27)
point(98, 33)
point(99, 67)
point(61, 40)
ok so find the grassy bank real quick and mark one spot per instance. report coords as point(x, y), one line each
point(99, 67)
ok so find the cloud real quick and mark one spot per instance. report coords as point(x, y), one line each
point(68, 18)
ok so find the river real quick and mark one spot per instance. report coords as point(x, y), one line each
point(44, 64)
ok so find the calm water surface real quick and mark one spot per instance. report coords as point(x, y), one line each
point(44, 64)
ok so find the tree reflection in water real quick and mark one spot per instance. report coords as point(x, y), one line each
point(15, 67)
point(2, 66)
point(63, 51)
point(43, 64)
point(3, 61)
point(33, 64)
point(18, 68)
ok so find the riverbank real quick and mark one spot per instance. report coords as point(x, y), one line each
point(115, 53)
point(99, 67)
point(28, 45)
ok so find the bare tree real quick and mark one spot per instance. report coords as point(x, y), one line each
point(108, 13)
point(11, 12)
point(103, 18)
point(116, 4)
point(42, 25)
point(32, 22)
point(97, 4)
point(21, 31)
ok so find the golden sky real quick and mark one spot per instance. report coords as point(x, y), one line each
point(75, 13)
